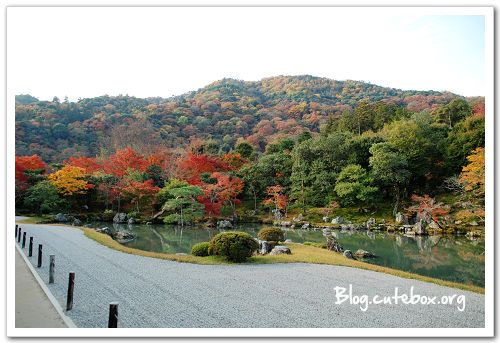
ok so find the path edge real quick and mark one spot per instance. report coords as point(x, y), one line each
point(67, 320)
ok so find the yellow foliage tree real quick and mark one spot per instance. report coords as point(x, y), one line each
point(472, 176)
point(70, 181)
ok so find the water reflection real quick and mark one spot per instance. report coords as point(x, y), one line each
point(454, 258)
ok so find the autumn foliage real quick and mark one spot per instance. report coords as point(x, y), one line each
point(70, 180)
point(26, 163)
point(473, 174)
point(426, 207)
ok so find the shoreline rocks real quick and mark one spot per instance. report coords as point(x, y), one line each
point(280, 250)
point(120, 218)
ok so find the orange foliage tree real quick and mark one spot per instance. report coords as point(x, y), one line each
point(426, 208)
point(70, 180)
point(472, 176)
point(276, 198)
point(223, 191)
point(140, 193)
point(89, 164)
point(124, 159)
point(27, 163)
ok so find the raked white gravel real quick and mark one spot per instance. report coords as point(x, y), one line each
point(166, 294)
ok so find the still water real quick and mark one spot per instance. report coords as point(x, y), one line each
point(453, 258)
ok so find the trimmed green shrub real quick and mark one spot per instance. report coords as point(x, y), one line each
point(234, 245)
point(200, 249)
point(271, 234)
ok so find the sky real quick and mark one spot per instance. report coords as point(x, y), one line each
point(147, 52)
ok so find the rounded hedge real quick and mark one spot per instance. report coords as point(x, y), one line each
point(234, 245)
point(200, 249)
point(271, 234)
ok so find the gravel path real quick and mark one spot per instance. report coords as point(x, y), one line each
point(159, 293)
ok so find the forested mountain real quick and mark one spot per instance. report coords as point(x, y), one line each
point(222, 114)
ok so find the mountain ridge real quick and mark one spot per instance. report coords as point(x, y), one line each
point(224, 111)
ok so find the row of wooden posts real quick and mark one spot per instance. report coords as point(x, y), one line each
point(113, 307)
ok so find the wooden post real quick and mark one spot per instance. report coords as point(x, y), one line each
point(24, 239)
point(19, 235)
point(113, 315)
point(39, 255)
point(71, 288)
point(30, 247)
point(16, 230)
point(52, 267)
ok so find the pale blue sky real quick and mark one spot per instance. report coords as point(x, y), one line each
point(85, 52)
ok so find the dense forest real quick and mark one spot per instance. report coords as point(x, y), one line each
point(279, 143)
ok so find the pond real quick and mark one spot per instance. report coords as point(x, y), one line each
point(454, 258)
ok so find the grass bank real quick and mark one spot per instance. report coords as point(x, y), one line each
point(300, 253)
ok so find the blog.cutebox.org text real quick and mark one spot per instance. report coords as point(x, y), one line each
point(347, 295)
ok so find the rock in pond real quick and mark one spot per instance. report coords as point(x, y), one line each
point(131, 221)
point(420, 227)
point(306, 226)
point(338, 220)
point(120, 218)
point(363, 253)
point(105, 230)
point(279, 250)
point(348, 254)
point(333, 245)
point(123, 236)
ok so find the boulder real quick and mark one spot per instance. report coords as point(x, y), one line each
point(299, 218)
point(363, 253)
point(77, 222)
point(327, 232)
point(288, 240)
point(123, 236)
point(473, 223)
point(370, 223)
point(401, 218)
point(224, 224)
point(61, 218)
point(458, 222)
point(285, 223)
point(306, 226)
point(338, 220)
point(278, 215)
point(325, 219)
point(148, 223)
point(348, 254)
point(131, 221)
point(105, 230)
point(280, 249)
point(120, 218)
point(265, 247)
point(420, 227)
point(333, 245)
